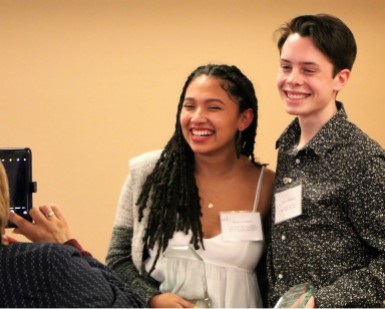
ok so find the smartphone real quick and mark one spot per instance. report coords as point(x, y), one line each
point(18, 166)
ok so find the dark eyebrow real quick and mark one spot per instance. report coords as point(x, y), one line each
point(209, 100)
point(302, 63)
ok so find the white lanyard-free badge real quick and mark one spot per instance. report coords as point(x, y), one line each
point(241, 226)
point(288, 203)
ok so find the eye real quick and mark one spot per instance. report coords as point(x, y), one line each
point(188, 105)
point(309, 71)
point(214, 107)
point(285, 67)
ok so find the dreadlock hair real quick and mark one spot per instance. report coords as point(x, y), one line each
point(170, 192)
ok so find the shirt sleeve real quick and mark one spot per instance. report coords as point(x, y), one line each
point(82, 281)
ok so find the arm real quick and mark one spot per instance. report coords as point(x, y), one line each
point(119, 259)
point(82, 281)
point(127, 251)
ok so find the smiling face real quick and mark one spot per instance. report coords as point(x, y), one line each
point(210, 117)
point(305, 80)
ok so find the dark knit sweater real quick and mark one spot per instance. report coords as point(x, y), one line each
point(53, 275)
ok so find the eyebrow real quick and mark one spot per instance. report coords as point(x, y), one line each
point(209, 100)
point(302, 62)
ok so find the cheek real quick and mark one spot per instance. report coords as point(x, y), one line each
point(184, 124)
point(279, 80)
point(183, 119)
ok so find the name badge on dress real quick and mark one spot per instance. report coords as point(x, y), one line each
point(288, 203)
point(241, 226)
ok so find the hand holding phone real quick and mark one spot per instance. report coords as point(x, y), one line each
point(46, 228)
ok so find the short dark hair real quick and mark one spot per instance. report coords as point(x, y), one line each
point(329, 34)
point(170, 193)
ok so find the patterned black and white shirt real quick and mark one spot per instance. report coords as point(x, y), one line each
point(338, 243)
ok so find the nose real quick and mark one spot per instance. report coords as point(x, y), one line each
point(198, 115)
point(294, 77)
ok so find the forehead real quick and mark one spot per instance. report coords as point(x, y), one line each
point(206, 84)
point(298, 49)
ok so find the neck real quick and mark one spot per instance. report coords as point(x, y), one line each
point(218, 166)
point(310, 125)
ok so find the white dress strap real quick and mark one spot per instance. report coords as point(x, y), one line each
point(259, 188)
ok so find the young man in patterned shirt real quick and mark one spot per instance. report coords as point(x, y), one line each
point(328, 226)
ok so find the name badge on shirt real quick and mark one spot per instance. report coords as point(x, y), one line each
point(288, 203)
point(241, 226)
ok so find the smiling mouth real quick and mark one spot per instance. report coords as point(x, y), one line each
point(202, 133)
point(296, 95)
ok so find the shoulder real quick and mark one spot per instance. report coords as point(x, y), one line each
point(359, 144)
point(269, 176)
point(147, 159)
point(36, 261)
point(267, 191)
point(32, 251)
point(28, 266)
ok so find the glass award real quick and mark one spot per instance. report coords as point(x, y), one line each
point(184, 274)
point(292, 298)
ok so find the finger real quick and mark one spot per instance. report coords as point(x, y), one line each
point(23, 226)
point(19, 221)
point(46, 211)
point(57, 212)
point(38, 215)
point(310, 303)
point(185, 304)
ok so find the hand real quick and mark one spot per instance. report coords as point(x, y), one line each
point(169, 300)
point(310, 303)
point(49, 225)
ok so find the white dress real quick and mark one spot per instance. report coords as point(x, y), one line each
point(229, 267)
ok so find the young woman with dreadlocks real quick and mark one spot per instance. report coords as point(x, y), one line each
point(183, 194)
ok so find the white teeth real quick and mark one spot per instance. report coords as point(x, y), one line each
point(201, 133)
point(296, 96)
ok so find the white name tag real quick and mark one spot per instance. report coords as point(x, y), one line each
point(288, 204)
point(241, 226)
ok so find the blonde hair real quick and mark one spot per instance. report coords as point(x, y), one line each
point(4, 198)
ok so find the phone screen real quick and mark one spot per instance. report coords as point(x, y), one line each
point(17, 164)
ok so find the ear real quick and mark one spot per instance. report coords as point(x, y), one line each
point(341, 79)
point(245, 119)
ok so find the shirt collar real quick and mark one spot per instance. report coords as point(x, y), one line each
point(325, 138)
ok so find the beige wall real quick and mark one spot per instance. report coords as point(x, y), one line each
point(88, 84)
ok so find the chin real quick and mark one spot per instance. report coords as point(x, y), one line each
point(292, 110)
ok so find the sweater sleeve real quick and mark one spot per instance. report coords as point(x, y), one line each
point(126, 249)
point(119, 259)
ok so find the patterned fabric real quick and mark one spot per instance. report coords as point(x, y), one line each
point(127, 251)
point(53, 275)
point(338, 243)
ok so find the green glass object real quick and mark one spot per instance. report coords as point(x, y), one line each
point(292, 296)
